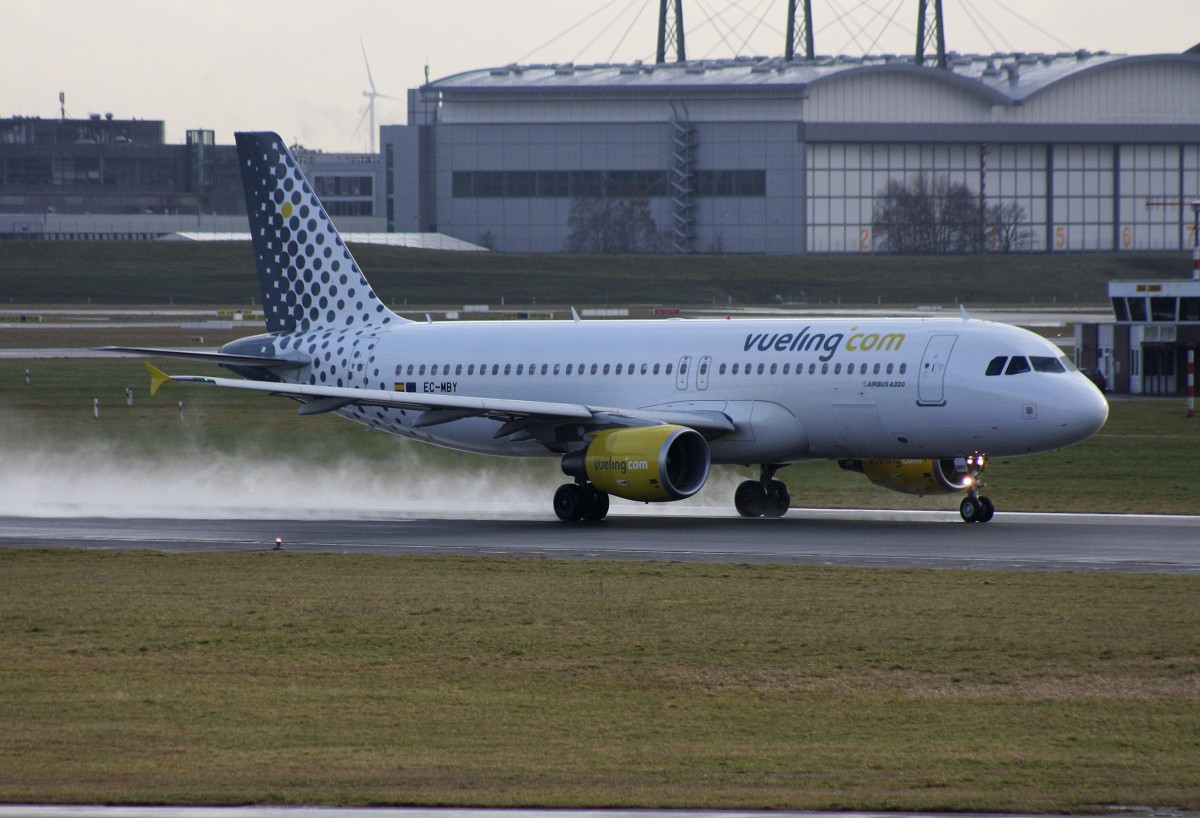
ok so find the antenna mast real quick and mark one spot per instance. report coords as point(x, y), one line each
point(804, 33)
point(930, 36)
point(670, 31)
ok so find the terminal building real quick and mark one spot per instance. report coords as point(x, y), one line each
point(1085, 151)
point(1144, 350)
point(107, 178)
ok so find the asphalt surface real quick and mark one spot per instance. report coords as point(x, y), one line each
point(1012, 541)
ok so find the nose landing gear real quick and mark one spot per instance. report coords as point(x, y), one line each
point(974, 507)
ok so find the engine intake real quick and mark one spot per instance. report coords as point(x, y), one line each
point(649, 464)
point(919, 477)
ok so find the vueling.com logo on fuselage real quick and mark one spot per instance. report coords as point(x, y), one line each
point(804, 341)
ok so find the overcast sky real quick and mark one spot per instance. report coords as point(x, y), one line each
point(297, 67)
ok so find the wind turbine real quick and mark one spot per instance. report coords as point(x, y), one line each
point(371, 96)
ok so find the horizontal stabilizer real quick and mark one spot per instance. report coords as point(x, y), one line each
point(211, 357)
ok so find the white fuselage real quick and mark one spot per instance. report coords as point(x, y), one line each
point(794, 388)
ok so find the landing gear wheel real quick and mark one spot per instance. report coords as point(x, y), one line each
point(595, 505)
point(778, 499)
point(750, 499)
point(976, 509)
point(570, 501)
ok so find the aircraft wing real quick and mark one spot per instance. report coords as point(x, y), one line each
point(211, 357)
point(519, 415)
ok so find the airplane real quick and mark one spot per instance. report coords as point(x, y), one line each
point(641, 409)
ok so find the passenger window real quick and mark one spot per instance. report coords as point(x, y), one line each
point(630, 369)
point(1017, 365)
point(643, 369)
point(507, 369)
point(471, 369)
point(849, 369)
point(786, 368)
point(682, 369)
point(545, 367)
point(618, 369)
point(421, 371)
point(735, 369)
point(656, 369)
point(669, 369)
point(606, 369)
point(593, 369)
point(837, 369)
point(812, 369)
point(773, 368)
point(890, 367)
point(496, 369)
point(761, 367)
point(520, 368)
point(1045, 364)
point(824, 369)
point(569, 368)
point(903, 368)
point(875, 370)
point(996, 366)
point(557, 368)
point(721, 370)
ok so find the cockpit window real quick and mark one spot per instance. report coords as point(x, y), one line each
point(997, 365)
point(1046, 364)
point(1017, 365)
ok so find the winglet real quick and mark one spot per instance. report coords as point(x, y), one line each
point(157, 378)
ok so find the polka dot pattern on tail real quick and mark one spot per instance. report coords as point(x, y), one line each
point(296, 245)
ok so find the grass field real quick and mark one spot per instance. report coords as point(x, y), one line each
point(278, 678)
point(180, 273)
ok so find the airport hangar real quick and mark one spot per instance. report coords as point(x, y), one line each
point(758, 155)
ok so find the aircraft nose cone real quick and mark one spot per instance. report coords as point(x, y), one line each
point(1085, 407)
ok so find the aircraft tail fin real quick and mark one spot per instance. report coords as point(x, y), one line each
point(308, 278)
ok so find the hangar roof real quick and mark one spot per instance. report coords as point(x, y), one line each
point(1004, 78)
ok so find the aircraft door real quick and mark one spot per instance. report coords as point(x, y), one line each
point(702, 372)
point(361, 365)
point(931, 378)
point(681, 377)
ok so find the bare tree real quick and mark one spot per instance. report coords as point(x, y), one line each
point(612, 224)
point(920, 217)
point(1006, 231)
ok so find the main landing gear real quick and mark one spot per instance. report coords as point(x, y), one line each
point(580, 501)
point(974, 507)
point(765, 497)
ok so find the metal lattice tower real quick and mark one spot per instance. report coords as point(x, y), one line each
point(670, 31)
point(930, 36)
point(802, 34)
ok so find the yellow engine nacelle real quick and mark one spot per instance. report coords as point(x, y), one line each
point(649, 464)
point(919, 477)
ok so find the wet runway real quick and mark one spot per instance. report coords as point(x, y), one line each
point(1013, 541)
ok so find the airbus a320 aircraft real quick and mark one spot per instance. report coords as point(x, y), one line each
point(642, 409)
